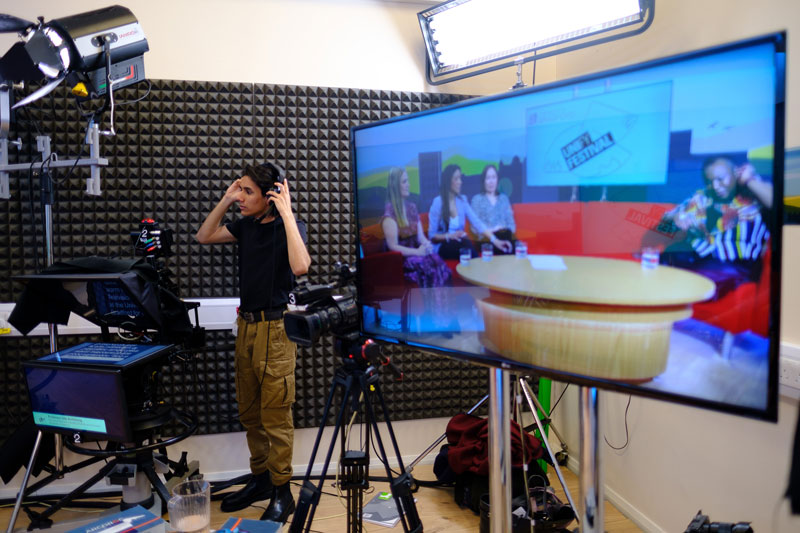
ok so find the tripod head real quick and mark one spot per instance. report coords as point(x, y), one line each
point(362, 354)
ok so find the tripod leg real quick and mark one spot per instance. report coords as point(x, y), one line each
point(385, 410)
point(78, 491)
point(400, 486)
point(25, 479)
point(310, 494)
point(58, 474)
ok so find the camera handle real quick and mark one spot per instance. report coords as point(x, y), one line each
point(358, 378)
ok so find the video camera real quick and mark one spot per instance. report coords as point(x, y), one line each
point(702, 524)
point(324, 312)
point(154, 244)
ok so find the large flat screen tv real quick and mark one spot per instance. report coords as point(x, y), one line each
point(620, 230)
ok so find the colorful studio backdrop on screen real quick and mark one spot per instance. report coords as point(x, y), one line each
point(620, 230)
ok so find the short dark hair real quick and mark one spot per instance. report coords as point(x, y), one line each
point(264, 175)
point(713, 160)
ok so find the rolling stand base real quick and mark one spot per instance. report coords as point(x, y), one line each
point(137, 465)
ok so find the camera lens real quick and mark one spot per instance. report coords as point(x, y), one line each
point(336, 316)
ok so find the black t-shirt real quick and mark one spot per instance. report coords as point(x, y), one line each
point(265, 277)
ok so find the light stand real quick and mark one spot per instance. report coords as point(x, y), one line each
point(25, 478)
point(46, 188)
point(535, 406)
point(438, 441)
point(131, 45)
point(50, 160)
point(359, 381)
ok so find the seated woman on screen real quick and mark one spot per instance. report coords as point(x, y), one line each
point(493, 207)
point(448, 215)
point(402, 230)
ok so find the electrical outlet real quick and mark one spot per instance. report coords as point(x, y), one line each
point(789, 373)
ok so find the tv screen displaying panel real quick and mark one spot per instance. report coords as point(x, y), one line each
point(620, 230)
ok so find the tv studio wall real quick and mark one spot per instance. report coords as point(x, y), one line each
point(175, 153)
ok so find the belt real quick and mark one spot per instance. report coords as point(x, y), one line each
point(262, 315)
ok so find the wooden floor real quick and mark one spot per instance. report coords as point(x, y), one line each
point(436, 507)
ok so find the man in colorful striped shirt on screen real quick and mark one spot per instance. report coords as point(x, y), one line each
point(722, 225)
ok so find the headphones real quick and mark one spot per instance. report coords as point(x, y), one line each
point(273, 170)
point(273, 173)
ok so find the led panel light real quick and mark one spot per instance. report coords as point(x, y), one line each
point(461, 34)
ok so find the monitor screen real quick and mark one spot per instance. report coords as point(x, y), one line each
point(125, 301)
point(113, 299)
point(620, 230)
point(92, 388)
point(89, 401)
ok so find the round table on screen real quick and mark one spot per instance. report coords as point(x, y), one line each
point(597, 317)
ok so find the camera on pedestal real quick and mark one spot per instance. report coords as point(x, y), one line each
point(109, 391)
point(359, 380)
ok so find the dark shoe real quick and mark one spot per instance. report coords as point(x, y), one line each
point(281, 505)
point(258, 488)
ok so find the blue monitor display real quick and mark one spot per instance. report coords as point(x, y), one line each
point(82, 389)
point(619, 230)
point(89, 401)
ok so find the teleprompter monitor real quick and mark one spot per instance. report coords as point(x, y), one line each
point(96, 408)
point(108, 299)
point(93, 389)
point(620, 230)
point(127, 294)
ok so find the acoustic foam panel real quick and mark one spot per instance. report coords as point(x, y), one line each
point(176, 151)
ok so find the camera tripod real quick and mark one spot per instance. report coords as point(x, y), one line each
point(359, 380)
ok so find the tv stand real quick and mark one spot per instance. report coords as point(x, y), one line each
point(591, 483)
point(499, 451)
point(591, 503)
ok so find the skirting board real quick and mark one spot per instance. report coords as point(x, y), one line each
point(623, 505)
point(224, 456)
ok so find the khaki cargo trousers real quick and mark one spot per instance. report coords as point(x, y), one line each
point(265, 392)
